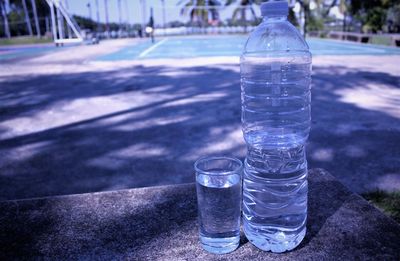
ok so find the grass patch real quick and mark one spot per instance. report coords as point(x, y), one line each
point(24, 40)
point(388, 202)
point(380, 40)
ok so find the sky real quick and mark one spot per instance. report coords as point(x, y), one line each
point(138, 11)
point(134, 9)
point(131, 9)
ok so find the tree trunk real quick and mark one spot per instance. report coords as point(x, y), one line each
point(163, 13)
point(144, 16)
point(97, 13)
point(47, 23)
point(106, 10)
point(306, 9)
point(27, 20)
point(36, 18)
point(253, 13)
point(89, 6)
point(6, 25)
point(127, 15)
point(344, 21)
point(306, 16)
point(243, 14)
point(69, 33)
point(60, 23)
point(119, 14)
point(333, 4)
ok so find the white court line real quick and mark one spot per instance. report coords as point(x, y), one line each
point(151, 48)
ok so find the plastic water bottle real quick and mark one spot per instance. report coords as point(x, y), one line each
point(275, 81)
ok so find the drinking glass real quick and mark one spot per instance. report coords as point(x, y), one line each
point(219, 196)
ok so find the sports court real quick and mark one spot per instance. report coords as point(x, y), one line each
point(198, 46)
point(187, 47)
point(16, 52)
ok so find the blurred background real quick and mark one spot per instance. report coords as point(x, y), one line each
point(25, 19)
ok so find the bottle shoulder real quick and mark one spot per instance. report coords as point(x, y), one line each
point(275, 36)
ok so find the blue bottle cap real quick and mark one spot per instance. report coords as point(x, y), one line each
point(275, 8)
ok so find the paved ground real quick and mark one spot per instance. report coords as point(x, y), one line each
point(69, 124)
point(112, 226)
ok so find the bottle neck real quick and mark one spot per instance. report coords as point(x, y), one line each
point(274, 18)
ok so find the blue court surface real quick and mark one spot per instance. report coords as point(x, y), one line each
point(206, 46)
point(20, 52)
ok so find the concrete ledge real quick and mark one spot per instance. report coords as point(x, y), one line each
point(159, 223)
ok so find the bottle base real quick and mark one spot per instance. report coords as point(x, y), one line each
point(220, 245)
point(276, 243)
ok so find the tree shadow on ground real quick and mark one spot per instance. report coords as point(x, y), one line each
point(170, 120)
point(144, 126)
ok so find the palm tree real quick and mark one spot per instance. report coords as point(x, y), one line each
point(4, 13)
point(127, 12)
point(144, 16)
point(163, 12)
point(27, 20)
point(106, 10)
point(199, 10)
point(119, 14)
point(241, 9)
point(305, 6)
point(97, 13)
point(344, 8)
point(322, 6)
point(327, 7)
point(35, 16)
point(89, 6)
point(69, 32)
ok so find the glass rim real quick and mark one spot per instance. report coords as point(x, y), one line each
point(211, 158)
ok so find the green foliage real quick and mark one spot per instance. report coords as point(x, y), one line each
point(196, 10)
point(136, 27)
point(16, 21)
point(175, 24)
point(315, 23)
point(292, 18)
point(16, 16)
point(358, 6)
point(381, 40)
point(244, 2)
point(24, 40)
point(85, 23)
point(389, 203)
point(393, 19)
point(373, 19)
point(375, 14)
point(239, 14)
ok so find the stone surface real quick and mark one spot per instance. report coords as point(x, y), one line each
point(159, 223)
